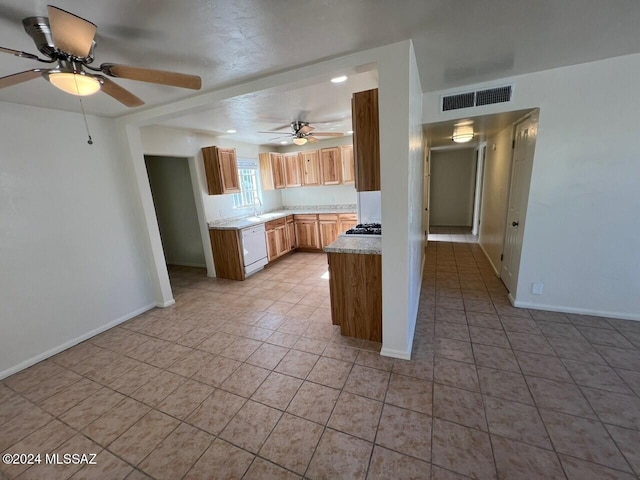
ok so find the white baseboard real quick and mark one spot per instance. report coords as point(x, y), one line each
point(579, 311)
point(50, 353)
point(495, 270)
point(166, 304)
point(401, 354)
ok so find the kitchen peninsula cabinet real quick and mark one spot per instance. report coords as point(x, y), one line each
point(366, 140)
point(272, 171)
point(221, 170)
point(355, 289)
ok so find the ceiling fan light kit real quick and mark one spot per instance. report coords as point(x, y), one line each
point(299, 141)
point(68, 40)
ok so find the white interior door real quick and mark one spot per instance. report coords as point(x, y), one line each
point(525, 141)
point(426, 192)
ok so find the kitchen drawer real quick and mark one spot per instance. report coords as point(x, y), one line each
point(305, 217)
point(275, 224)
point(289, 218)
point(349, 216)
point(332, 217)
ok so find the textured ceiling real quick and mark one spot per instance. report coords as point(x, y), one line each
point(457, 42)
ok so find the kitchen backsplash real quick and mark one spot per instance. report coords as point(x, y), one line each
point(293, 208)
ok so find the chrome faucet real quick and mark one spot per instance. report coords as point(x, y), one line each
point(256, 202)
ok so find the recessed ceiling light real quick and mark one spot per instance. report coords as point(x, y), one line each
point(231, 130)
point(350, 132)
point(283, 142)
point(340, 79)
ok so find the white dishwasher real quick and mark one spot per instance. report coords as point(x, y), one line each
point(254, 248)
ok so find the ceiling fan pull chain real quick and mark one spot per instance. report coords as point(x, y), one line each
point(84, 115)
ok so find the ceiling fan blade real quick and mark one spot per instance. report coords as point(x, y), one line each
point(114, 90)
point(71, 34)
point(161, 77)
point(278, 138)
point(272, 131)
point(327, 134)
point(311, 139)
point(306, 129)
point(18, 53)
point(20, 77)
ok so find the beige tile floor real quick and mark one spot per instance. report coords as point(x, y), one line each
point(250, 380)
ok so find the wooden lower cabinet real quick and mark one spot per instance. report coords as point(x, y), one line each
point(347, 221)
point(328, 224)
point(277, 236)
point(355, 285)
point(227, 254)
point(307, 234)
point(291, 233)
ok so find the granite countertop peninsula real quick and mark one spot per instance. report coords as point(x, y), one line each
point(371, 245)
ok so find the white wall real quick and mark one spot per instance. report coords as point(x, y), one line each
point(72, 261)
point(322, 195)
point(452, 187)
point(173, 198)
point(170, 141)
point(581, 235)
point(495, 196)
point(401, 156)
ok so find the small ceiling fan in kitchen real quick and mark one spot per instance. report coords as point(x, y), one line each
point(302, 132)
point(68, 42)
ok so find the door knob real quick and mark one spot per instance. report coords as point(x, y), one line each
point(515, 224)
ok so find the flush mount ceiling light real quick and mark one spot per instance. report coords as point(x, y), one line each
point(340, 79)
point(350, 132)
point(299, 141)
point(75, 83)
point(231, 130)
point(283, 142)
point(462, 133)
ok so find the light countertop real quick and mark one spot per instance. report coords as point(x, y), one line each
point(239, 223)
point(370, 245)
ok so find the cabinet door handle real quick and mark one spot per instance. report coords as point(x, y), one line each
point(515, 224)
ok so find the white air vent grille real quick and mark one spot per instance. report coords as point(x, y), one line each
point(478, 98)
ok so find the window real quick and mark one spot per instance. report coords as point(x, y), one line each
point(250, 192)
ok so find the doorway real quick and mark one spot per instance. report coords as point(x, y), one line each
point(174, 202)
point(525, 133)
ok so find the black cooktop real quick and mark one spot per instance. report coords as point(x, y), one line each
point(365, 229)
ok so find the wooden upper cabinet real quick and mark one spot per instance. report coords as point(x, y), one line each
point(366, 140)
point(221, 170)
point(330, 166)
point(293, 169)
point(272, 170)
point(348, 167)
point(310, 160)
